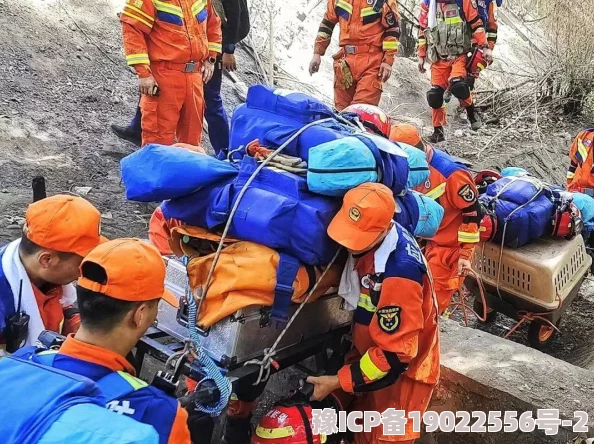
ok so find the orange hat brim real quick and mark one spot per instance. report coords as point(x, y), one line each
point(170, 298)
point(350, 237)
point(85, 252)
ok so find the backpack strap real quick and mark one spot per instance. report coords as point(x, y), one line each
point(286, 272)
point(118, 385)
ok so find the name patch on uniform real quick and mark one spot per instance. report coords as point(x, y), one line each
point(467, 193)
point(388, 319)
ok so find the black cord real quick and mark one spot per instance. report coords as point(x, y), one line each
point(20, 296)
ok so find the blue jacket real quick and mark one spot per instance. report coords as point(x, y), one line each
point(43, 401)
point(140, 401)
point(6, 295)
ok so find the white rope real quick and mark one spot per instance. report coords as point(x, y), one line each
point(238, 201)
point(266, 361)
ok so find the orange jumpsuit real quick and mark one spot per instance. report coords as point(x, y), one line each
point(453, 187)
point(580, 175)
point(368, 37)
point(395, 360)
point(449, 71)
point(169, 39)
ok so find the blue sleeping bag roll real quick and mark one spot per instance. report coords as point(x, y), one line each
point(277, 211)
point(391, 159)
point(159, 172)
point(419, 214)
point(273, 115)
point(524, 209)
point(418, 165)
point(337, 166)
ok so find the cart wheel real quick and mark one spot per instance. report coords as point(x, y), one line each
point(540, 336)
point(477, 306)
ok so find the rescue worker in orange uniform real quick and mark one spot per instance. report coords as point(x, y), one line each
point(580, 175)
point(36, 270)
point(118, 293)
point(395, 360)
point(445, 33)
point(450, 183)
point(173, 46)
point(476, 60)
point(369, 33)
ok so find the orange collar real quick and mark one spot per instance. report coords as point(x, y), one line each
point(91, 353)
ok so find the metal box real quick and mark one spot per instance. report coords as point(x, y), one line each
point(542, 273)
point(245, 334)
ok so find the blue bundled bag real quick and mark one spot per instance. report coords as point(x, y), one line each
point(524, 209)
point(159, 172)
point(337, 166)
point(391, 160)
point(273, 115)
point(419, 214)
point(277, 211)
point(418, 165)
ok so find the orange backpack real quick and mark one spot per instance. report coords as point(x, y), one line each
point(246, 274)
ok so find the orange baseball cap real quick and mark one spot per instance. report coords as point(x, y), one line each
point(366, 211)
point(135, 271)
point(405, 133)
point(65, 223)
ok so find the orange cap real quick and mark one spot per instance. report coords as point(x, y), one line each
point(65, 223)
point(366, 211)
point(135, 271)
point(405, 133)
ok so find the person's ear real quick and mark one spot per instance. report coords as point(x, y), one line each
point(139, 314)
point(45, 259)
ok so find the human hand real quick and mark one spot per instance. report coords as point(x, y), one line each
point(323, 386)
point(314, 65)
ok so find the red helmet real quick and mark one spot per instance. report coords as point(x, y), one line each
point(476, 62)
point(372, 118)
point(488, 227)
point(287, 424)
point(568, 222)
point(484, 178)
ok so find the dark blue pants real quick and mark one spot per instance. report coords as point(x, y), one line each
point(215, 115)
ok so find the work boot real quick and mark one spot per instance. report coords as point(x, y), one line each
point(127, 133)
point(447, 96)
point(237, 430)
point(437, 136)
point(473, 118)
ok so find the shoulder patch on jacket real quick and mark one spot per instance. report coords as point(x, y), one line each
point(390, 19)
point(467, 193)
point(388, 318)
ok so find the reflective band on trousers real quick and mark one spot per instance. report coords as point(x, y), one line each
point(369, 369)
point(436, 192)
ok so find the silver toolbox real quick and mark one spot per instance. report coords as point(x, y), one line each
point(245, 334)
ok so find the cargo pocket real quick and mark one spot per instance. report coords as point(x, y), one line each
point(149, 120)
